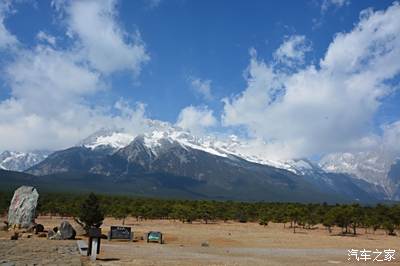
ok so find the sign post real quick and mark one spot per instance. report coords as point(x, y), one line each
point(121, 233)
point(94, 243)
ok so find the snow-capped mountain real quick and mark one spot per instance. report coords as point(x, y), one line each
point(159, 132)
point(170, 160)
point(107, 139)
point(373, 167)
point(165, 157)
point(366, 166)
point(20, 161)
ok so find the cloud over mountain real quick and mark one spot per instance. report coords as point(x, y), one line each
point(48, 107)
point(323, 107)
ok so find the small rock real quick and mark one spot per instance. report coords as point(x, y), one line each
point(205, 244)
point(15, 236)
point(55, 236)
point(39, 228)
point(50, 234)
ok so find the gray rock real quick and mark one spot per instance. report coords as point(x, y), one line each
point(66, 230)
point(50, 234)
point(54, 236)
point(22, 209)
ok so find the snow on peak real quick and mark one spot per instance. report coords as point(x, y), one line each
point(372, 167)
point(20, 161)
point(156, 138)
point(162, 133)
point(116, 140)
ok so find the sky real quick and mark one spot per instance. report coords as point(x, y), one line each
point(291, 78)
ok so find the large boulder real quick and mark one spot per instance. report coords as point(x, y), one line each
point(22, 209)
point(66, 230)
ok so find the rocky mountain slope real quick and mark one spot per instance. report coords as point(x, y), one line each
point(20, 161)
point(373, 167)
point(172, 158)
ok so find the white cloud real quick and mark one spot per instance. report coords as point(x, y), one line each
point(323, 108)
point(50, 86)
point(390, 139)
point(107, 46)
point(196, 119)
point(23, 131)
point(202, 87)
point(52, 76)
point(292, 51)
point(326, 4)
point(48, 108)
point(45, 37)
point(7, 40)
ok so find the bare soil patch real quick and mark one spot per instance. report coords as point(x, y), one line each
point(230, 243)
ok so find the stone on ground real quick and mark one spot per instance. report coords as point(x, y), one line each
point(22, 209)
point(39, 228)
point(66, 230)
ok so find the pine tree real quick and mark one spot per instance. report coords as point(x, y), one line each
point(90, 213)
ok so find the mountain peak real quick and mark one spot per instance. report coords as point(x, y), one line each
point(20, 161)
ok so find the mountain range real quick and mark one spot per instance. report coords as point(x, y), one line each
point(20, 161)
point(169, 162)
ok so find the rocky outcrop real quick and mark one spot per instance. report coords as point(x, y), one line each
point(22, 209)
point(66, 230)
point(63, 232)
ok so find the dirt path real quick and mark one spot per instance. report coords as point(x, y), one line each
point(122, 254)
point(38, 252)
point(228, 244)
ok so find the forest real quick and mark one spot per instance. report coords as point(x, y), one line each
point(349, 217)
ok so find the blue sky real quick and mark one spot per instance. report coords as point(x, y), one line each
point(198, 56)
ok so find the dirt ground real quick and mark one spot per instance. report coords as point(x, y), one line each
point(229, 243)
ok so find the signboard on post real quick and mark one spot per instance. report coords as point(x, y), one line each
point(120, 233)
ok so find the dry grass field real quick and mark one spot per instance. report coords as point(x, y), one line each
point(230, 243)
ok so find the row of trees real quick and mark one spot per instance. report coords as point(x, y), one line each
point(349, 217)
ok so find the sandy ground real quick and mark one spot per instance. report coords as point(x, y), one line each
point(229, 244)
